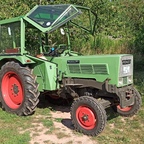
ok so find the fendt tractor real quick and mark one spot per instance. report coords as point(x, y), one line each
point(37, 58)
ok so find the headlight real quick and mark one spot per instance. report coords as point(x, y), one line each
point(125, 80)
point(130, 79)
point(120, 81)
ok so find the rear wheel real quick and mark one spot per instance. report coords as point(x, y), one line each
point(130, 110)
point(19, 90)
point(88, 116)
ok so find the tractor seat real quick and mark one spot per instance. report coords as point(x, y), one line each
point(41, 56)
point(12, 50)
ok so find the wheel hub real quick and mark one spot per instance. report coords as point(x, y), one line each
point(15, 89)
point(86, 117)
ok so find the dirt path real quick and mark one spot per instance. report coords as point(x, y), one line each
point(62, 132)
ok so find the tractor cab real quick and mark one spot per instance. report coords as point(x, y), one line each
point(46, 30)
point(53, 26)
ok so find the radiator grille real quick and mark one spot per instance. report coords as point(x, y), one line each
point(125, 80)
point(100, 69)
point(74, 69)
point(88, 69)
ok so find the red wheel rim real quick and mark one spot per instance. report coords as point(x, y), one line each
point(126, 109)
point(12, 90)
point(86, 117)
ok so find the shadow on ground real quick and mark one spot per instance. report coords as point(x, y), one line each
point(67, 123)
point(65, 108)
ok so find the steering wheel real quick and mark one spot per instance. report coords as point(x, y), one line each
point(56, 50)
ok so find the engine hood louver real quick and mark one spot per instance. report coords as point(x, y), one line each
point(88, 69)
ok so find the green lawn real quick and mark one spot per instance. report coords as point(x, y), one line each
point(9, 129)
point(16, 130)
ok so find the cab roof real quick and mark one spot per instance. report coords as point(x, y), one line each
point(49, 17)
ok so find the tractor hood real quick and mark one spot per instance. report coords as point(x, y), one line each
point(117, 68)
point(48, 18)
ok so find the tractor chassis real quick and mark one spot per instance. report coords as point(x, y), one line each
point(110, 94)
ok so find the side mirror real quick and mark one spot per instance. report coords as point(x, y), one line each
point(9, 31)
point(62, 31)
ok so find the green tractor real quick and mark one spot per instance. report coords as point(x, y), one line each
point(36, 58)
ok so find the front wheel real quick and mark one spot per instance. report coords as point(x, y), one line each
point(18, 89)
point(130, 110)
point(88, 116)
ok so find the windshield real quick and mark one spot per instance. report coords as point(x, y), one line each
point(52, 15)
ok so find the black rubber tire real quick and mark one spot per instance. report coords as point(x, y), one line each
point(28, 85)
point(98, 111)
point(134, 108)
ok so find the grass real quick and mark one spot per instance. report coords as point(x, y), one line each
point(9, 125)
point(128, 132)
point(16, 130)
point(61, 135)
point(104, 45)
point(119, 130)
point(109, 45)
point(47, 123)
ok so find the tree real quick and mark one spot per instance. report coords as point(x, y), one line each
point(117, 19)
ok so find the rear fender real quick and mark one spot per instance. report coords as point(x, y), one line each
point(45, 71)
point(17, 58)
